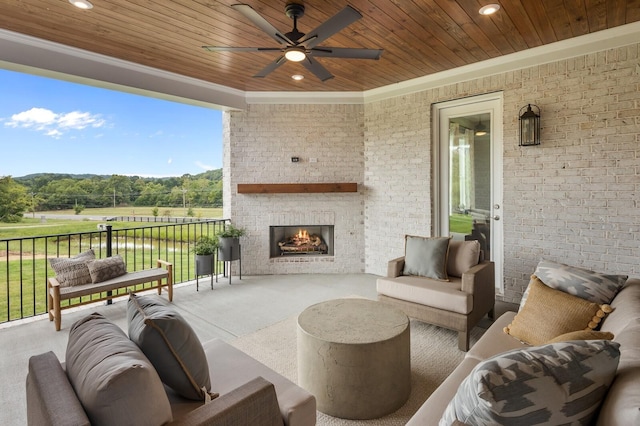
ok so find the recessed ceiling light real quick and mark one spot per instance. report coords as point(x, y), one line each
point(297, 77)
point(489, 9)
point(81, 4)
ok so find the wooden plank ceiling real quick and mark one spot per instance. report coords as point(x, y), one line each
point(419, 37)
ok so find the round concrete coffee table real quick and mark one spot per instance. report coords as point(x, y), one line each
point(354, 355)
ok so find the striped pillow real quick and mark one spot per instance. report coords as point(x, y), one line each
point(73, 270)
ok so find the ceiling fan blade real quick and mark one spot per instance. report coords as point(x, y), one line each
point(261, 23)
point(345, 52)
point(316, 68)
point(241, 49)
point(337, 22)
point(271, 67)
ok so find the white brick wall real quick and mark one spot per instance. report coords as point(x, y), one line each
point(260, 144)
point(574, 199)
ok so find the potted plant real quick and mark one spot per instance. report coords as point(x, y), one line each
point(204, 249)
point(229, 243)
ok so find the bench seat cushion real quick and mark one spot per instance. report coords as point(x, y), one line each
point(130, 278)
point(446, 295)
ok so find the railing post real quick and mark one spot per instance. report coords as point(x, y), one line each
point(109, 235)
point(109, 252)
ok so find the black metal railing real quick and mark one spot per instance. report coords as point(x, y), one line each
point(24, 266)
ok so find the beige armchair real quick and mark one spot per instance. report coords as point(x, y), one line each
point(457, 304)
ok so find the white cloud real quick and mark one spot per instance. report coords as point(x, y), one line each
point(54, 124)
point(204, 166)
point(170, 160)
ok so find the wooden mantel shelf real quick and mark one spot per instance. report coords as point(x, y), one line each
point(296, 188)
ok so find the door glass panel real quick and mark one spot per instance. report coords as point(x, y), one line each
point(470, 179)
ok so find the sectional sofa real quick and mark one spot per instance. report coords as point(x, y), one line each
point(620, 405)
point(158, 374)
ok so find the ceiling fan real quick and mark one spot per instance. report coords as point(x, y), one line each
point(297, 46)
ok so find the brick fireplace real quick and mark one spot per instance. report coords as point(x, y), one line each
point(259, 144)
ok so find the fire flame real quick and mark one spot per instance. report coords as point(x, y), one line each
point(302, 234)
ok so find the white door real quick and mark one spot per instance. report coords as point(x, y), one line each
point(468, 175)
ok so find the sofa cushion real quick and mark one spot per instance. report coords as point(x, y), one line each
point(170, 344)
point(560, 383)
point(589, 285)
point(549, 313)
point(72, 271)
point(463, 255)
point(426, 257)
point(114, 380)
point(107, 268)
point(626, 308)
point(621, 407)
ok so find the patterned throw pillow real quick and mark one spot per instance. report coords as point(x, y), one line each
point(72, 271)
point(560, 383)
point(426, 257)
point(170, 344)
point(550, 313)
point(107, 268)
point(586, 284)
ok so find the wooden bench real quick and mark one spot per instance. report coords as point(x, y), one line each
point(56, 293)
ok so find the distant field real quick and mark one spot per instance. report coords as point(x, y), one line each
point(208, 213)
point(32, 225)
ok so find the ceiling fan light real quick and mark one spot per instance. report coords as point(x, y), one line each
point(82, 4)
point(489, 9)
point(295, 54)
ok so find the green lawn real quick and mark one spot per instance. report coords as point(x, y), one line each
point(460, 223)
point(24, 267)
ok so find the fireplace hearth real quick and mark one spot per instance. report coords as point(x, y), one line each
point(301, 240)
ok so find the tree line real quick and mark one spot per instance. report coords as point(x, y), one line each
point(51, 191)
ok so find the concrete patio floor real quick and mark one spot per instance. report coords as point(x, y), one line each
point(226, 312)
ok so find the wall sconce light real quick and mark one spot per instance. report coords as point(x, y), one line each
point(529, 126)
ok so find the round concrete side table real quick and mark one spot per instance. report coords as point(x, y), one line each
point(354, 355)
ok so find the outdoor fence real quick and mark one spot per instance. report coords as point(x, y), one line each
point(24, 266)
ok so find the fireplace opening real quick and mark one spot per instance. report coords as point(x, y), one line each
point(301, 240)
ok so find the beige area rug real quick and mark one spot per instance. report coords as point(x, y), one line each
point(434, 355)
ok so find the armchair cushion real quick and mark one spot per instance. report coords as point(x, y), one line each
point(463, 255)
point(426, 257)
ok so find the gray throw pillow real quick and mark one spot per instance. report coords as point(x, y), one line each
point(170, 344)
point(114, 380)
point(589, 285)
point(559, 383)
point(426, 257)
point(72, 271)
point(107, 268)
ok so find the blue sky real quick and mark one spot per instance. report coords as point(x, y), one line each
point(53, 126)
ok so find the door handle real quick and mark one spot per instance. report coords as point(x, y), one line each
point(496, 217)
